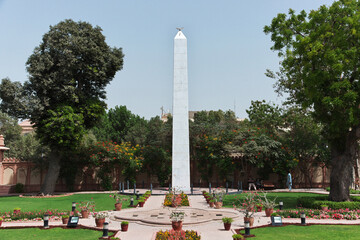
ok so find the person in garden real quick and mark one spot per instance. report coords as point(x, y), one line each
point(251, 183)
point(289, 181)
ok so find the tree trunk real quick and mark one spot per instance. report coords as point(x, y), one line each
point(48, 187)
point(342, 159)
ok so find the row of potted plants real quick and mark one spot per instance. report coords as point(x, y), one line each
point(173, 199)
point(144, 198)
point(215, 199)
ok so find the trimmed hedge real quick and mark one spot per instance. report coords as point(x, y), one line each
point(316, 202)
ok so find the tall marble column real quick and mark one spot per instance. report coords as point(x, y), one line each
point(180, 143)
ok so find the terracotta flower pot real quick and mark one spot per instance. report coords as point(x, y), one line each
point(124, 227)
point(325, 208)
point(141, 204)
point(65, 220)
point(212, 204)
point(99, 222)
point(177, 226)
point(218, 205)
point(84, 213)
point(118, 206)
point(0, 223)
point(227, 226)
point(268, 211)
point(250, 220)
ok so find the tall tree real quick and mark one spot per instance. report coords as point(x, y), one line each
point(68, 73)
point(320, 70)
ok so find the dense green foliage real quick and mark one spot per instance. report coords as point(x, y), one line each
point(319, 71)
point(316, 202)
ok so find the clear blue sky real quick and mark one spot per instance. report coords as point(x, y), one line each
point(228, 52)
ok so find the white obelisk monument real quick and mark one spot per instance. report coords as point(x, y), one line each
point(180, 139)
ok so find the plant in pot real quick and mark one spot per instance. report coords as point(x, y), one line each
point(237, 236)
point(65, 219)
point(118, 200)
point(1, 220)
point(246, 206)
point(219, 195)
point(124, 226)
point(227, 222)
point(17, 210)
point(324, 207)
point(100, 218)
point(86, 207)
point(141, 201)
point(268, 204)
point(177, 218)
point(212, 202)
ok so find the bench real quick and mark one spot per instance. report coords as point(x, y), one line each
point(268, 185)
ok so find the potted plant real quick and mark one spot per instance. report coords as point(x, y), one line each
point(124, 226)
point(247, 207)
point(17, 210)
point(324, 207)
point(219, 195)
point(141, 202)
point(85, 208)
point(177, 218)
point(65, 219)
point(227, 223)
point(100, 218)
point(268, 204)
point(237, 236)
point(118, 201)
point(212, 202)
point(1, 220)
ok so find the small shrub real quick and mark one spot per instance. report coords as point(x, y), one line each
point(227, 220)
point(65, 216)
point(124, 223)
point(19, 188)
point(17, 209)
point(237, 236)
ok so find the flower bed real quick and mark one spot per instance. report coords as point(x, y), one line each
point(172, 200)
point(46, 196)
point(171, 234)
point(318, 214)
point(54, 214)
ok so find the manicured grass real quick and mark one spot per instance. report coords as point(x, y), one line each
point(318, 232)
point(49, 234)
point(288, 198)
point(102, 202)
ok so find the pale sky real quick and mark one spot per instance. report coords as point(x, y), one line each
point(228, 53)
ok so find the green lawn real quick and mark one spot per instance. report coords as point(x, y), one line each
point(102, 202)
point(317, 232)
point(49, 234)
point(288, 198)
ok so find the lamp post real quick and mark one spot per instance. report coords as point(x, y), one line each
point(73, 206)
point(132, 201)
point(105, 230)
point(247, 228)
point(281, 204)
point(303, 217)
point(46, 221)
point(137, 195)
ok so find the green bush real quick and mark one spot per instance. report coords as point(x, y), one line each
point(19, 188)
point(316, 202)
